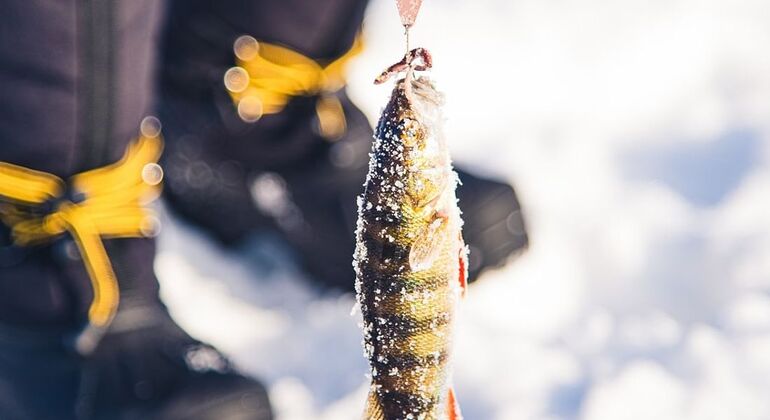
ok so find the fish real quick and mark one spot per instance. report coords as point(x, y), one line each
point(410, 258)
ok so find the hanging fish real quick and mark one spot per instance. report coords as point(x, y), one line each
point(410, 257)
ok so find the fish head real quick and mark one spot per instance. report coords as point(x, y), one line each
point(417, 108)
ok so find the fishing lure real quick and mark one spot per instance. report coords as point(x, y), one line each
point(410, 258)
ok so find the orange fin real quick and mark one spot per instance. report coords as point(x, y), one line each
point(463, 268)
point(453, 407)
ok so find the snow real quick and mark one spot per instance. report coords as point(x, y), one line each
point(637, 135)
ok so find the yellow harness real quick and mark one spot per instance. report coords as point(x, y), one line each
point(108, 202)
point(267, 76)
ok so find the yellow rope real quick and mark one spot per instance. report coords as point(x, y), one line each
point(112, 205)
point(267, 76)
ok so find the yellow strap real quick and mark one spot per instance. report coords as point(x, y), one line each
point(113, 204)
point(27, 186)
point(267, 76)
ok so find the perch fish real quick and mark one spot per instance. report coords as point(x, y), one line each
point(410, 258)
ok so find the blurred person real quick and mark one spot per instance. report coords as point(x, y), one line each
point(261, 135)
point(76, 80)
point(75, 83)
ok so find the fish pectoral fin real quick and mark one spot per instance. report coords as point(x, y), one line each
point(453, 407)
point(427, 247)
point(373, 410)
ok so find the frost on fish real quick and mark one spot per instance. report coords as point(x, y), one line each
point(409, 258)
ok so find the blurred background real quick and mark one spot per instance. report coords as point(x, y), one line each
point(637, 135)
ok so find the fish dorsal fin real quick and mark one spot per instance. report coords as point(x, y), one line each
point(427, 246)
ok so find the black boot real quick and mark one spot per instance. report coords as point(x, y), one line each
point(235, 178)
point(149, 368)
point(145, 367)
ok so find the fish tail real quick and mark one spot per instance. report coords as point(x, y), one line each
point(373, 410)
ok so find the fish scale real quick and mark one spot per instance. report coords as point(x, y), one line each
point(409, 258)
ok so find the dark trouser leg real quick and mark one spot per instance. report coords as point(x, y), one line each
point(38, 378)
point(76, 81)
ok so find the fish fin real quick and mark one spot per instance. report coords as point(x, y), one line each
point(430, 200)
point(373, 409)
point(453, 407)
point(427, 247)
point(463, 268)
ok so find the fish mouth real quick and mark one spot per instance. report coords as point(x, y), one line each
point(416, 90)
point(418, 59)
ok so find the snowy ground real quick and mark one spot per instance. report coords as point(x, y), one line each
point(637, 133)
